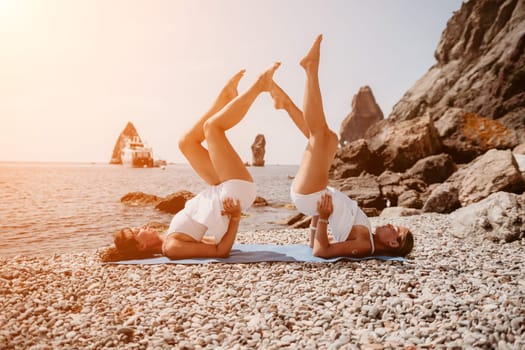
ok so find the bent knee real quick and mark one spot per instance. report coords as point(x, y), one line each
point(187, 142)
point(211, 127)
point(327, 138)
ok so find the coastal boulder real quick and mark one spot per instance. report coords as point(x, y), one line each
point(466, 135)
point(393, 212)
point(433, 169)
point(401, 144)
point(354, 158)
point(365, 112)
point(491, 172)
point(443, 199)
point(519, 155)
point(140, 199)
point(410, 199)
point(390, 186)
point(401, 189)
point(258, 150)
point(174, 202)
point(365, 190)
point(499, 217)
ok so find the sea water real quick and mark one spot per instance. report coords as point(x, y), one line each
point(69, 207)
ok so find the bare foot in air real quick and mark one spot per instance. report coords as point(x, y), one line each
point(265, 81)
point(280, 98)
point(311, 60)
point(229, 91)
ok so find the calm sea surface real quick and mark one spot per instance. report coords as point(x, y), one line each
point(63, 207)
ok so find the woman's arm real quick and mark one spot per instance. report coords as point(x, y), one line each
point(313, 228)
point(322, 246)
point(182, 249)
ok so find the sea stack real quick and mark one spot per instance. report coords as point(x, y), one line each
point(258, 150)
point(365, 112)
point(130, 150)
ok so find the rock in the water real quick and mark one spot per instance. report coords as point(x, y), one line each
point(365, 112)
point(175, 202)
point(260, 202)
point(499, 217)
point(140, 198)
point(258, 150)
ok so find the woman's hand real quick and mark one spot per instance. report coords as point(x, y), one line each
point(324, 206)
point(232, 207)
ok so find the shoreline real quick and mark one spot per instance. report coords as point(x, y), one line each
point(450, 293)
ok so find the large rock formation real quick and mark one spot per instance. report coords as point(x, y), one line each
point(365, 112)
point(129, 132)
point(401, 144)
point(480, 67)
point(467, 112)
point(258, 150)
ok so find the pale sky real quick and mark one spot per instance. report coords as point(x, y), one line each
point(74, 72)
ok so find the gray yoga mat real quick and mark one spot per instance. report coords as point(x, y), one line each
point(253, 253)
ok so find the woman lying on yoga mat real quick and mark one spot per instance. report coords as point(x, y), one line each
point(351, 229)
point(208, 224)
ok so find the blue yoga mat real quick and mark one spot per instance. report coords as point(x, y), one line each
point(252, 253)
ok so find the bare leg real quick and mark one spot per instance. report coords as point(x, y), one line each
point(190, 143)
point(227, 163)
point(283, 101)
point(312, 175)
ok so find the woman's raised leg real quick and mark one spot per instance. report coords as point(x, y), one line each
point(312, 175)
point(283, 101)
point(227, 163)
point(190, 143)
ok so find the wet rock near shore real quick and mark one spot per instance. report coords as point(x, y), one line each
point(175, 202)
point(170, 204)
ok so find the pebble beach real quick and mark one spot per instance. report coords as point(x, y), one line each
point(451, 293)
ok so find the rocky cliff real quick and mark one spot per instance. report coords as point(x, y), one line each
point(480, 67)
point(452, 140)
point(129, 132)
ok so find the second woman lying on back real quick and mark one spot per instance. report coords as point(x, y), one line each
point(350, 228)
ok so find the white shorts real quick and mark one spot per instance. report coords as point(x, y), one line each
point(346, 213)
point(202, 214)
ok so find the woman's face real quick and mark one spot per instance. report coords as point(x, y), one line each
point(146, 237)
point(391, 235)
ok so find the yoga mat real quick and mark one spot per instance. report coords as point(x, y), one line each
point(252, 253)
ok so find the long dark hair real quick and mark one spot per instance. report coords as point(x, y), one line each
point(406, 246)
point(126, 248)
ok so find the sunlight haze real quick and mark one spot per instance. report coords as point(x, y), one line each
point(74, 72)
